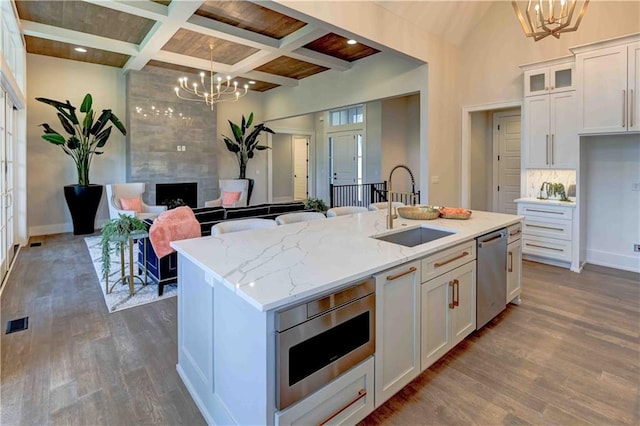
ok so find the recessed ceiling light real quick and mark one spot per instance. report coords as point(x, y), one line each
point(252, 82)
point(80, 49)
point(352, 41)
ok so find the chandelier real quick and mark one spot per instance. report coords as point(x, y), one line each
point(549, 17)
point(219, 90)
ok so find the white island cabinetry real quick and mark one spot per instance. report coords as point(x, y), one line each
point(448, 302)
point(397, 329)
point(233, 287)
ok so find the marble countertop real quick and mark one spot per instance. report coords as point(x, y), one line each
point(272, 268)
point(547, 202)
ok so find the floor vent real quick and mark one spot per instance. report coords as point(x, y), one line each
point(17, 325)
point(36, 244)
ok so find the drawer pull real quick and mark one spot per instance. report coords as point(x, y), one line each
point(361, 394)
point(546, 227)
point(511, 234)
point(510, 262)
point(542, 211)
point(439, 264)
point(543, 247)
point(401, 274)
point(456, 289)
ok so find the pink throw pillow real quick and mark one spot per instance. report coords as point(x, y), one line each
point(229, 198)
point(134, 204)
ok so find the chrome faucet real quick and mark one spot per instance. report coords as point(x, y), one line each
point(391, 215)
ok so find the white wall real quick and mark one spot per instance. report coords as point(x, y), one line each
point(373, 143)
point(481, 145)
point(49, 167)
point(400, 140)
point(612, 164)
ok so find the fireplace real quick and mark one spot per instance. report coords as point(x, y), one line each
point(169, 193)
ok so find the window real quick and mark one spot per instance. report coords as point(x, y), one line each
point(351, 115)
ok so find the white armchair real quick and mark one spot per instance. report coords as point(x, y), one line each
point(116, 192)
point(231, 185)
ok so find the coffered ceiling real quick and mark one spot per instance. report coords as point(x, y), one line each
point(250, 41)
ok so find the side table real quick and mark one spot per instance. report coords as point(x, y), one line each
point(132, 276)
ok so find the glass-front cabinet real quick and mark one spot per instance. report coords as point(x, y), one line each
point(549, 77)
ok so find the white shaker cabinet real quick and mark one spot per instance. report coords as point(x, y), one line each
point(550, 131)
point(556, 76)
point(608, 79)
point(514, 264)
point(448, 312)
point(397, 329)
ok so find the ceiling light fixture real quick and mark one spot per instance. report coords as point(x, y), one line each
point(549, 17)
point(219, 90)
point(352, 41)
point(80, 49)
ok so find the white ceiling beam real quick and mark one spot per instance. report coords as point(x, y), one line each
point(228, 32)
point(270, 78)
point(91, 41)
point(321, 59)
point(145, 9)
point(254, 61)
point(299, 38)
point(178, 13)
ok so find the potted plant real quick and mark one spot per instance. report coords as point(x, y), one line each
point(243, 145)
point(84, 138)
point(317, 204)
point(117, 232)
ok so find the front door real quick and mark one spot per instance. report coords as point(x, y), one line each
point(343, 149)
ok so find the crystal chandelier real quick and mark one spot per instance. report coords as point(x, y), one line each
point(219, 90)
point(549, 17)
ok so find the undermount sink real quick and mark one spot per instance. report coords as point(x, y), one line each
point(414, 237)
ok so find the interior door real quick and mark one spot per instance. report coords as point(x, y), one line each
point(507, 163)
point(3, 184)
point(344, 165)
point(300, 167)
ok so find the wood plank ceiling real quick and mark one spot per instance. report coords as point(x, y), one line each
point(250, 41)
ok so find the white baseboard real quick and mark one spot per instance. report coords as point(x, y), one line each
point(613, 260)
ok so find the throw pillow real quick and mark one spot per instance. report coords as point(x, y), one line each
point(230, 198)
point(134, 204)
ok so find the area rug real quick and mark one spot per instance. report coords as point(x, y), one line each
point(119, 298)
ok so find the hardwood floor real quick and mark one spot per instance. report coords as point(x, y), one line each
point(570, 354)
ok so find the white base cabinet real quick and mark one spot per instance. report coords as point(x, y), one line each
point(397, 329)
point(448, 312)
point(514, 271)
point(346, 400)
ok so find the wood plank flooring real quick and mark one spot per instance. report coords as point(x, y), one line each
point(570, 354)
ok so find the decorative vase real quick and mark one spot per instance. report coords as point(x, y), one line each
point(83, 202)
point(250, 190)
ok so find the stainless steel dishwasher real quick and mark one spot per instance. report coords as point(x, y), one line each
point(491, 275)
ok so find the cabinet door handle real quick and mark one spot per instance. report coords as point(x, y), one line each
point(552, 139)
point(452, 304)
point(511, 234)
point(401, 274)
point(510, 262)
point(439, 264)
point(631, 108)
point(456, 292)
point(624, 107)
point(543, 211)
point(361, 394)
point(547, 149)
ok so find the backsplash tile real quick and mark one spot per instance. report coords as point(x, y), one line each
point(536, 177)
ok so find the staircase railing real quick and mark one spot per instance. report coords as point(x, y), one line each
point(367, 193)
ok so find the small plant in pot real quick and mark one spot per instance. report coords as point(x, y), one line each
point(84, 137)
point(243, 145)
point(115, 234)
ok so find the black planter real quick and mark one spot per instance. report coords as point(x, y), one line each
point(250, 190)
point(83, 204)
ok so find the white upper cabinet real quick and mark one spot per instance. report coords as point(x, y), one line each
point(607, 77)
point(556, 76)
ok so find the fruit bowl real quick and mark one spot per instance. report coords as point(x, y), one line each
point(418, 212)
point(455, 213)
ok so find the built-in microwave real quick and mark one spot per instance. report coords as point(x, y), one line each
point(319, 340)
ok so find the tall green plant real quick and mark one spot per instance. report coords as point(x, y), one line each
point(242, 144)
point(86, 137)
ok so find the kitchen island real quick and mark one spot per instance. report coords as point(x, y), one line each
point(232, 286)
